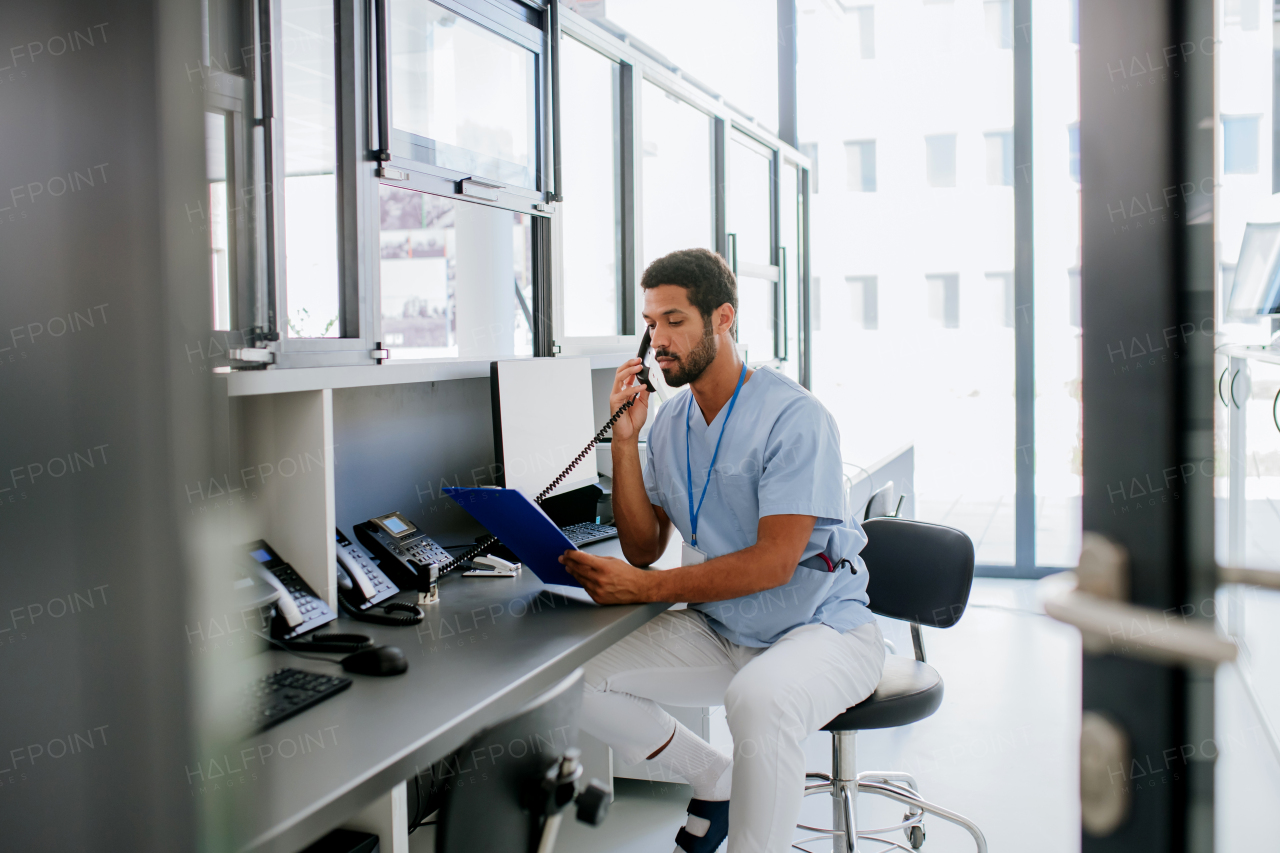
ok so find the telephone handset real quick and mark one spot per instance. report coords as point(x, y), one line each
point(362, 586)
point(643, 354)
point(298, 609)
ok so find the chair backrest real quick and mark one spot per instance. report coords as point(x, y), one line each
point(880, 503)
point(487, 802)
point(919, 572)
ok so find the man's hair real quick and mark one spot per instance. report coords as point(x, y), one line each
point(702, 273)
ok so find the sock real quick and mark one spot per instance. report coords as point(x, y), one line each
point(708, 770)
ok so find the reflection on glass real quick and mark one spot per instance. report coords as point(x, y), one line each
point(591, 211)
point(462, 97)
point(937, 371)
point(755, 318)
point(748, 201)
point(679, 207)
point(215, 141)
point(789, 242)
point(310, 168)
point(456, 278)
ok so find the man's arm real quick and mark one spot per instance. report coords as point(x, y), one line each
point(770, 563)
point(643, 529)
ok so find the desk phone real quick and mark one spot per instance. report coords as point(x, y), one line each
point(298, 609)
point(404, 552)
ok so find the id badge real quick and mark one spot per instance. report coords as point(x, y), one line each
point(690, 555)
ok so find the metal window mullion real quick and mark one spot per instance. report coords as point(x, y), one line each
point(803, 332)
point(273, 157)
point(351, 145)
point(1024, 294)
point(625, 177)
point(719, 175)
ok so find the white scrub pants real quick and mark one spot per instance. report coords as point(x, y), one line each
point(774, 698)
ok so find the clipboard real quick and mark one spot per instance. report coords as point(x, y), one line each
point(522, 526)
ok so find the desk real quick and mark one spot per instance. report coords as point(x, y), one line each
point(489, 646)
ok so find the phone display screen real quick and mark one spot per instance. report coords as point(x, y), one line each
point(395, 525)
point(261, 555)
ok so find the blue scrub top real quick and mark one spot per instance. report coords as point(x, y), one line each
point(780, 456)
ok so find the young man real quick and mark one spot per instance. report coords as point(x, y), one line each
point(746, 466)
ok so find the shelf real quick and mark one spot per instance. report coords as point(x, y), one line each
point(250, 383)
point(1255, 352)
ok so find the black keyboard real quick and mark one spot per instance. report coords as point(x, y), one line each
point(588, 532)
point(286, 692)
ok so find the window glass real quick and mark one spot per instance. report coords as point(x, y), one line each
point(308, 46)
point(456, 278)
point(216, 148)
point(749, 221)
point(679, 207)
point(1000, 158)
point(591, 212)
point(863, 302)
point(940, 160)
point(862, 165)
point(789, 209)
point(462, 97)
point(1240, 145)
point(943, 294)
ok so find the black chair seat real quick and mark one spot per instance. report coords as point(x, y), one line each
point(908, 691)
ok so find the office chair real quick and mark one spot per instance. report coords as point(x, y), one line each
point(880, 503)
point(506, 788)
point(920, 573)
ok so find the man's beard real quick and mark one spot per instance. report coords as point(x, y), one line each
point(693, 365)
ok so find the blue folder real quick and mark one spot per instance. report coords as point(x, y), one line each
point(522, 526)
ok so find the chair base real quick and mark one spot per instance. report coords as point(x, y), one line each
point(844, 786)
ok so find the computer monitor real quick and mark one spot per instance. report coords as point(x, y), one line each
point(542, 419)
point(1256, 289)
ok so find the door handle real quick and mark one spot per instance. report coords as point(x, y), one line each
point(1090, 601)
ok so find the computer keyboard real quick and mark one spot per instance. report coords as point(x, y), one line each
point(282, 694)
point(588, 532)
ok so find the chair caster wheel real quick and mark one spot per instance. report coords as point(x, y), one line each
point(915, 834)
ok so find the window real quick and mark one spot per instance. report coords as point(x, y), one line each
point(943, 294)
point(815, 303)
point(220, 260)
point(865, 18)
point(1240, 145)
point(940, 160)
point(679, 205)
point(1241, 13)
point(1073, 151)
point(594, 303)
point(456, 277)
point(862, 298)
point(749, 221)
point(462, 97)
point(309, 48)
point(1001, 292)
point(861, 157)
point(810, 150)
point(1000, 158)
point(1228, 282)
point(999, 14)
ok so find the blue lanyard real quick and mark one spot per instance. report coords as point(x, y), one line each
point(688, 466)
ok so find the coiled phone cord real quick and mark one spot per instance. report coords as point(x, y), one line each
point(484, 544)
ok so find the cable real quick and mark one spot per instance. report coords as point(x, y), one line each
point(484, 544)
point(284, 647)
point(395, 613)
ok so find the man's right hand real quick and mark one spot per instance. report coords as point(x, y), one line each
point(628, 426)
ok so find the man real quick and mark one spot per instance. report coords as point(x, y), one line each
point(746, 466)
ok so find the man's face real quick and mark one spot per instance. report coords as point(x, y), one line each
point(684, 344)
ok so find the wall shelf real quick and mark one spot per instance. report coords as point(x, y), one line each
point(250, 383)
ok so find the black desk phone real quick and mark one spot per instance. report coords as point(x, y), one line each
point(298, 609)
point(413, 561)
point(362, 585)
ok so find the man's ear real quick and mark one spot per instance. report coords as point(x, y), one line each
point(724, 318)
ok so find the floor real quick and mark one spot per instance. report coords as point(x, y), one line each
point(1002, 749)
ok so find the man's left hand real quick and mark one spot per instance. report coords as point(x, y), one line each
point(607, 579)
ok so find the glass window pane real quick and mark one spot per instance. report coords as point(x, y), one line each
point(750, 179)
point(755, 318)
point(310, 168)
point(789, 240)
point(937, 371)
point(462, 97)
point(679, 207)
point(456, 278)
point(215, 140)
point(591, 213)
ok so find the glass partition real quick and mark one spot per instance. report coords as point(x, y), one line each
point(678, 201)
point(456, 278)
point(462, 97)
point(591, 213)
point(309, 49)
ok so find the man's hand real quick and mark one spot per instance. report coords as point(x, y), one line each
point(607, 579)
point(624, 388)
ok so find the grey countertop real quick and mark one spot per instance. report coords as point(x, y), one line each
point(487, 647)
